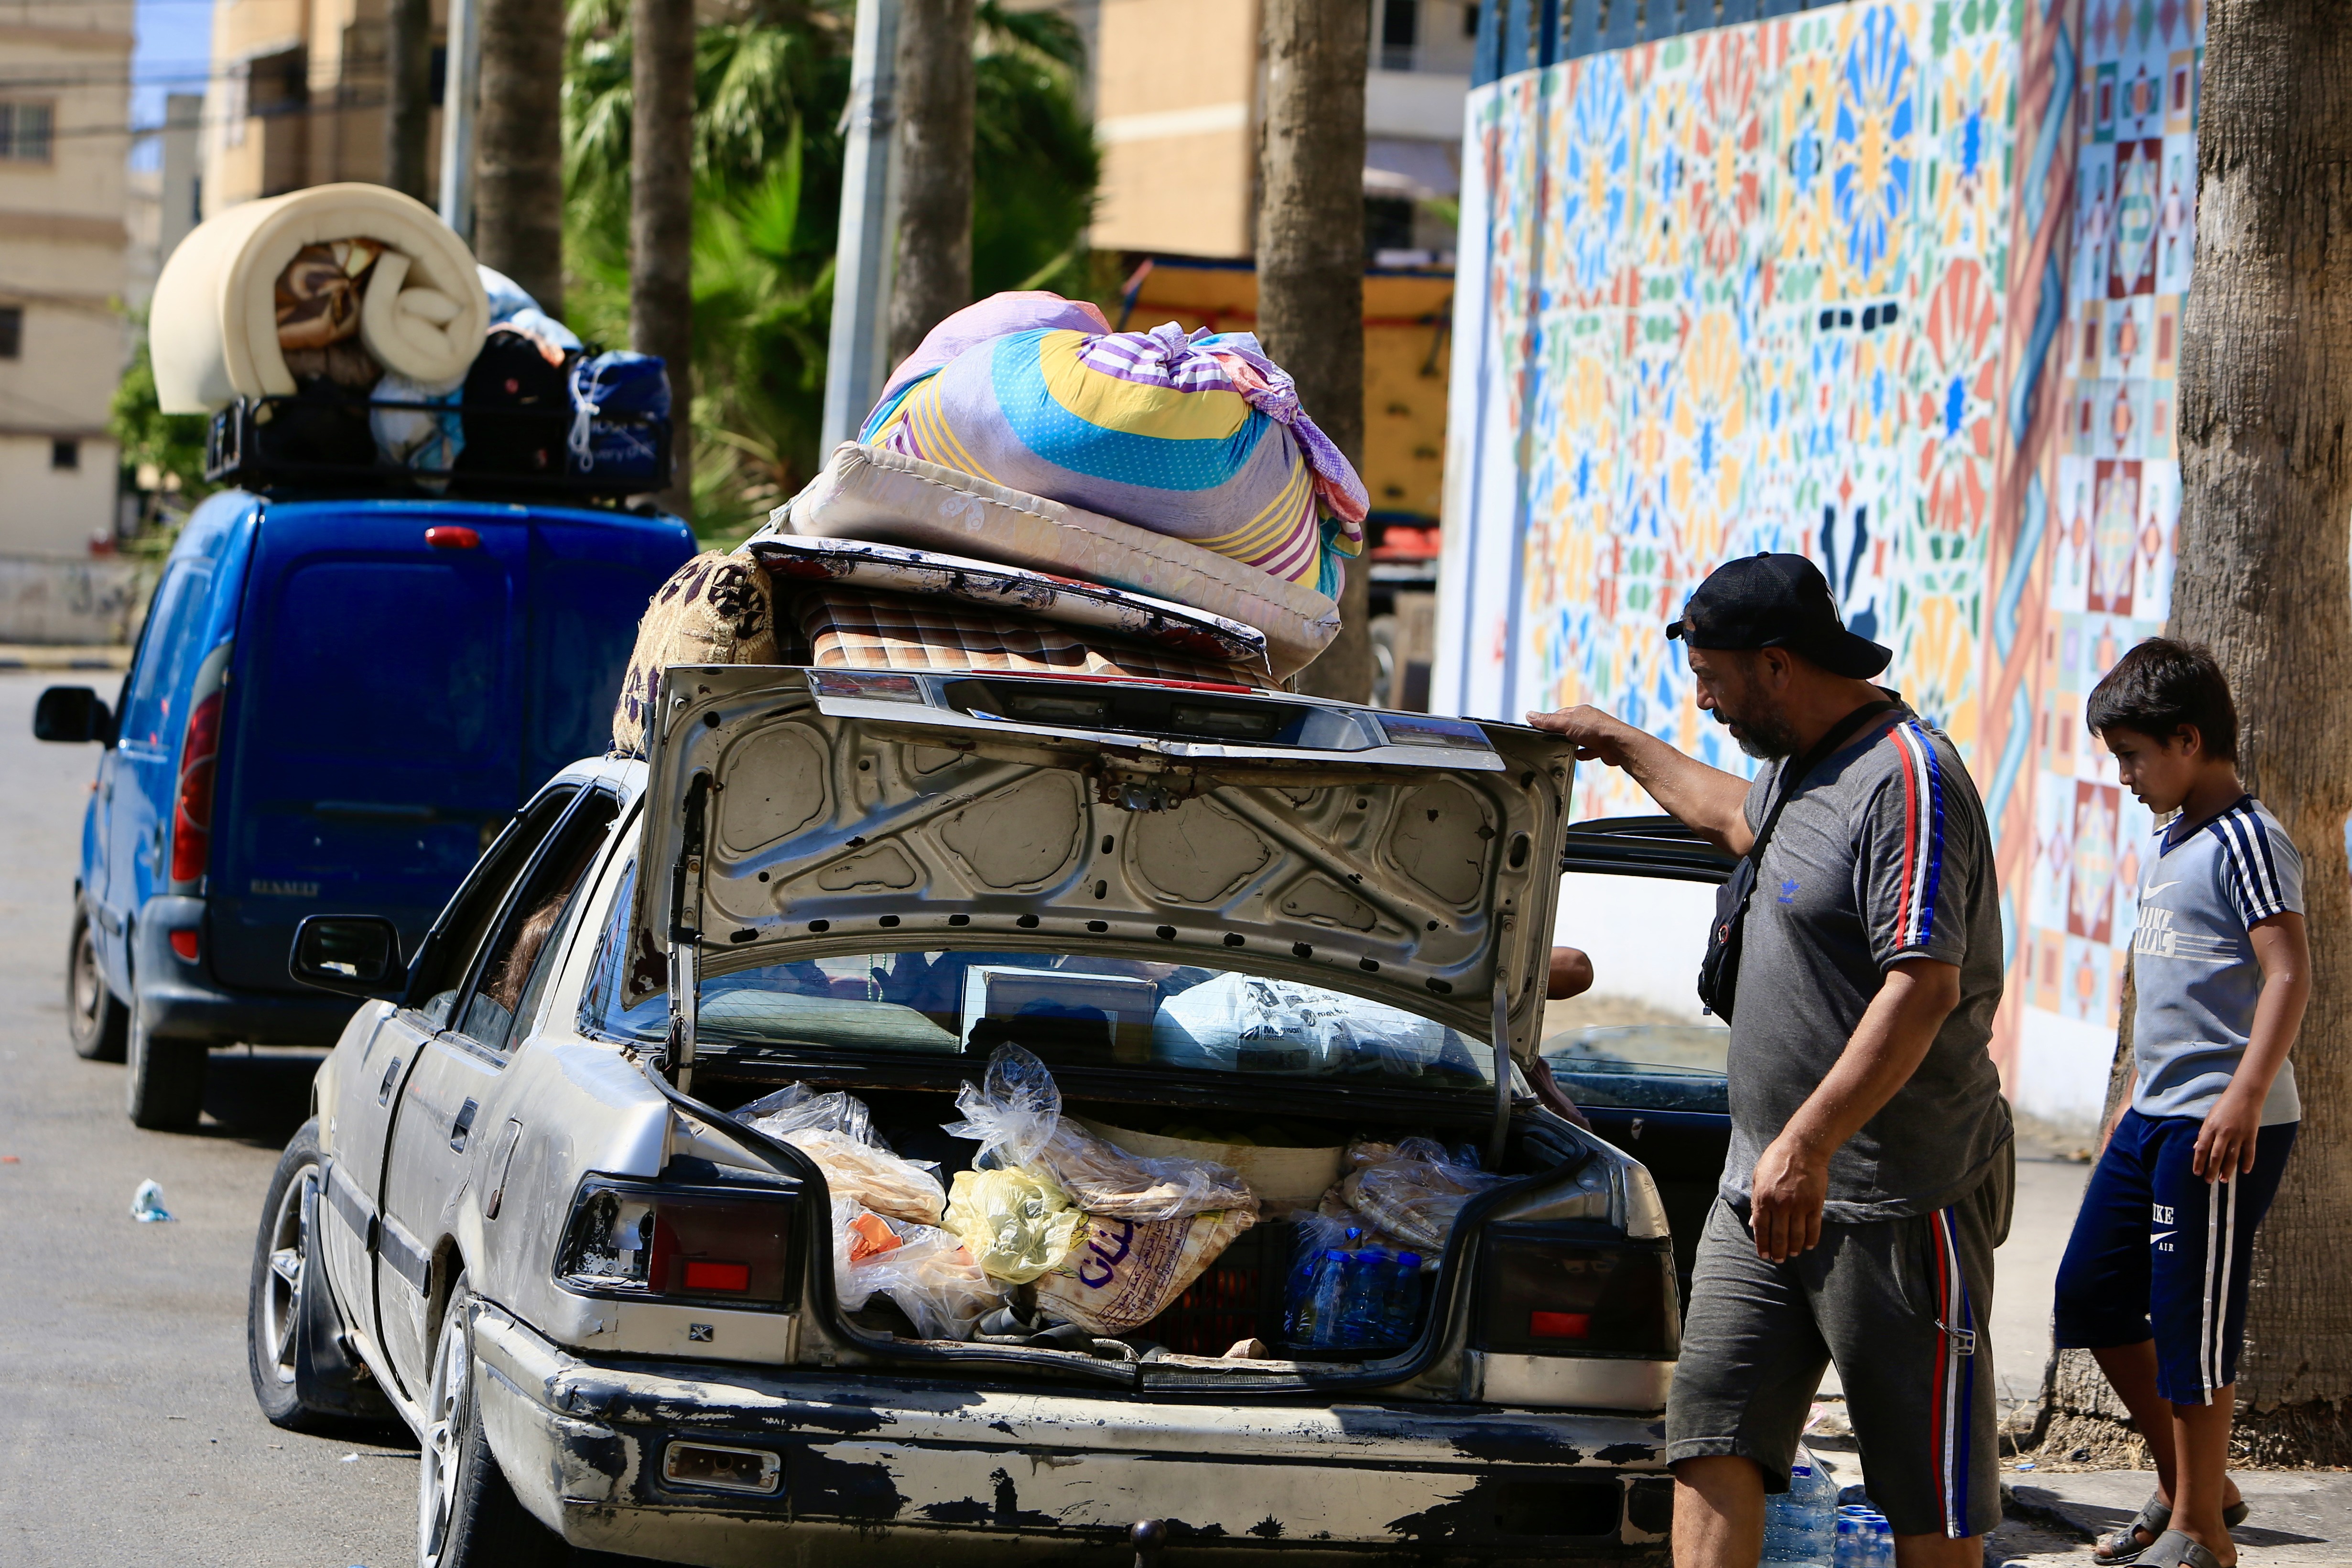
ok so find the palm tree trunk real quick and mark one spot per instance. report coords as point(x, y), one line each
point(2266, 492)
point(518, 147)
point(1311, 260)
point(408, 94)
point(661, 213)
point(935, 105)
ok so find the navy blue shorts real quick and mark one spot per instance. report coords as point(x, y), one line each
point(2160, 1254)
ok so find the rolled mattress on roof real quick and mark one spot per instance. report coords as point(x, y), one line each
point(212, 330)
point(869, 493)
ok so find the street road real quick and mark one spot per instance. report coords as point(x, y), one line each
point(128, 1432)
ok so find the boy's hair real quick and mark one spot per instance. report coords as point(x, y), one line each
point(2161, 685)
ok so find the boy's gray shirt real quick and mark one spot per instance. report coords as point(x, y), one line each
point(1882, 854)
point(2193, 960)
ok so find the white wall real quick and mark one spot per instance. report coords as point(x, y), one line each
point(46, 511)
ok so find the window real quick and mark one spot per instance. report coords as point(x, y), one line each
point(166, 653)
point(521, 959)
point(1071, 1010)
point(26, 132)
point(450, 953)
point(1400, 30)
point(1637, 1039)
point(64, 455)
point(1470, 19)
point(370, 658)
point(12, 331)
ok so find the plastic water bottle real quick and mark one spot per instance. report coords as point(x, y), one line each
point(1363, 1298)
point(1403, 1309)
point(1800, 1524)
point(1328, 1299)
point(1882, 1541)
point(1298, 1304)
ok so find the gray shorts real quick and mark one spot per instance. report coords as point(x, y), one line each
point(1902, 1307)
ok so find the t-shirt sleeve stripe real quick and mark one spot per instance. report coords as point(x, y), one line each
point(1923, 837)
point(2252, 880)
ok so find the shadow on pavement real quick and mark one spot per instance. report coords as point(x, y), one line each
point(259, 1097)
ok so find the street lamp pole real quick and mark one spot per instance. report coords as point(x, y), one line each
point(857, 350)
point(461, 76)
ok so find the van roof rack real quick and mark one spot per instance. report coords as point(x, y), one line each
point(308, 442)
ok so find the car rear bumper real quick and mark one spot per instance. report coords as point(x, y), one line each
point(891, 1470)
point(183, 1003)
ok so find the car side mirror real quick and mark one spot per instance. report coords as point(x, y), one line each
point(72, 714)
point(354, 955)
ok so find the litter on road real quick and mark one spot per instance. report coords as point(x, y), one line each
point(147, 1204)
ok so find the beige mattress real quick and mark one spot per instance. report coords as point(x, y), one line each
point(211, 332)
point(869, 494)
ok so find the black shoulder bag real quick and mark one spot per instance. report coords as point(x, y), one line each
point(1718, 972)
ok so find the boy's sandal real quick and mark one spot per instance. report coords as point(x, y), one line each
point(2235, 1514)
point(2174, 1550)
point(2123, 1545)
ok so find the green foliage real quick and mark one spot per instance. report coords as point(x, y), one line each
point(173, 443)
point(772, 80)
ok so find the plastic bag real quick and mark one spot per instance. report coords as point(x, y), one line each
point(1108, 1182)
point(1013, 1112)
point(1124, 1272)
point(836, 1131)
point(926, 1273)
point(1018, 1223)
point(1016, 1114)
point(411, 437)
point(1413, 1191)
point(1247, 1024)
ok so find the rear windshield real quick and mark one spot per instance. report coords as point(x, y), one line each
point(1070, 1010)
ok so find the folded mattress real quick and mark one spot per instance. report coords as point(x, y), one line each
point(850, 629)
point(213, 332)
point(869, 493)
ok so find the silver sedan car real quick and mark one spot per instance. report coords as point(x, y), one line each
point(524, 1220)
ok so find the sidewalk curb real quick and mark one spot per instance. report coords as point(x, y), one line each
point(2044, 1507)
point(102, 659)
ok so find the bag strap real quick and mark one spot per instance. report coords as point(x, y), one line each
point(1803, 768)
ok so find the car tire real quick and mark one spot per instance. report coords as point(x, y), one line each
point(467, 1514)
point(165, 1090)
point(304, 1377)
point(97, 1023)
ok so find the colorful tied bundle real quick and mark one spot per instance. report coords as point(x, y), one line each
point(1197, 435)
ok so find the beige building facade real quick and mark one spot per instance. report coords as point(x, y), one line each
point(65, 107)
point(296, 96)
point(1178, 92)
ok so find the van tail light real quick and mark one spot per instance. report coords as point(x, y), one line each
point(1576, 1288)
point(732, 1245)
point(183, 944)
point(192, 811)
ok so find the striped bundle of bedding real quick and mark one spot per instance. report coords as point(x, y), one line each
point(1198, 436)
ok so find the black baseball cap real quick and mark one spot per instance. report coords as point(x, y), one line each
point(1768, 601)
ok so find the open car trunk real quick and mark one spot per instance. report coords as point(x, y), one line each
point(1217, 917)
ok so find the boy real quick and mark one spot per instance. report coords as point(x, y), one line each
point(2154, 1282)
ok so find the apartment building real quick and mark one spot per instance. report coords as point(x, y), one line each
point(1177, 88)
point(296, 96)
point(65, 106)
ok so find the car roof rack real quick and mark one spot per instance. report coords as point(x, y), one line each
point(261, 445)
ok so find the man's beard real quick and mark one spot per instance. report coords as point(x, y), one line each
point(1767, 737)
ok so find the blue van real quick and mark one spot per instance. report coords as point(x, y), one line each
point(334, 705)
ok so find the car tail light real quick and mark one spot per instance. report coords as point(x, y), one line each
point(191, 812)
point(183, 942)
point(658, 1242)
point(1575, 1289)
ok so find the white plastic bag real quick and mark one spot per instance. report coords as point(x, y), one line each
point(1413, 1190)
point(836, 1131)
point(1249, 1024)
point(925, 1272)
point(1013, 1112)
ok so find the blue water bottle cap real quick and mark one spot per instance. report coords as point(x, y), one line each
point(1408, 1261)
point(1334, 1255)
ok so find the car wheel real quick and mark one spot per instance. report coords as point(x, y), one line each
point(302, 1382)
point(166, 1087)
point(467, 1514)
point(95, 1019)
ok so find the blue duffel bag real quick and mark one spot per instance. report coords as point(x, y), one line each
point(620, 416)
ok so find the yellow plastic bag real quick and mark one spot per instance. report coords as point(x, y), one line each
point(1019, 1223)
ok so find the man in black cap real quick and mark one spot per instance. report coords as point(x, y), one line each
point(1869, 1174)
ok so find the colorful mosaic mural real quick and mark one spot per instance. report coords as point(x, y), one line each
point(1894, 285)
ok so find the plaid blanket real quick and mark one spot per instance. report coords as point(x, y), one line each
point(846, 629)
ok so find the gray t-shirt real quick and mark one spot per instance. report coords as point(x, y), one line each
point(1882, 854)
point(2193, 963)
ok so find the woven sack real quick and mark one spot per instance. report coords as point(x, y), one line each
point(717, 609)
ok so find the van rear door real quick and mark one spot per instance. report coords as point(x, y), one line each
point(375, 743)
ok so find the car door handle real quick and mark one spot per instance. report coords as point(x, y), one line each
point(463, 1127)
point(391, 1077)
